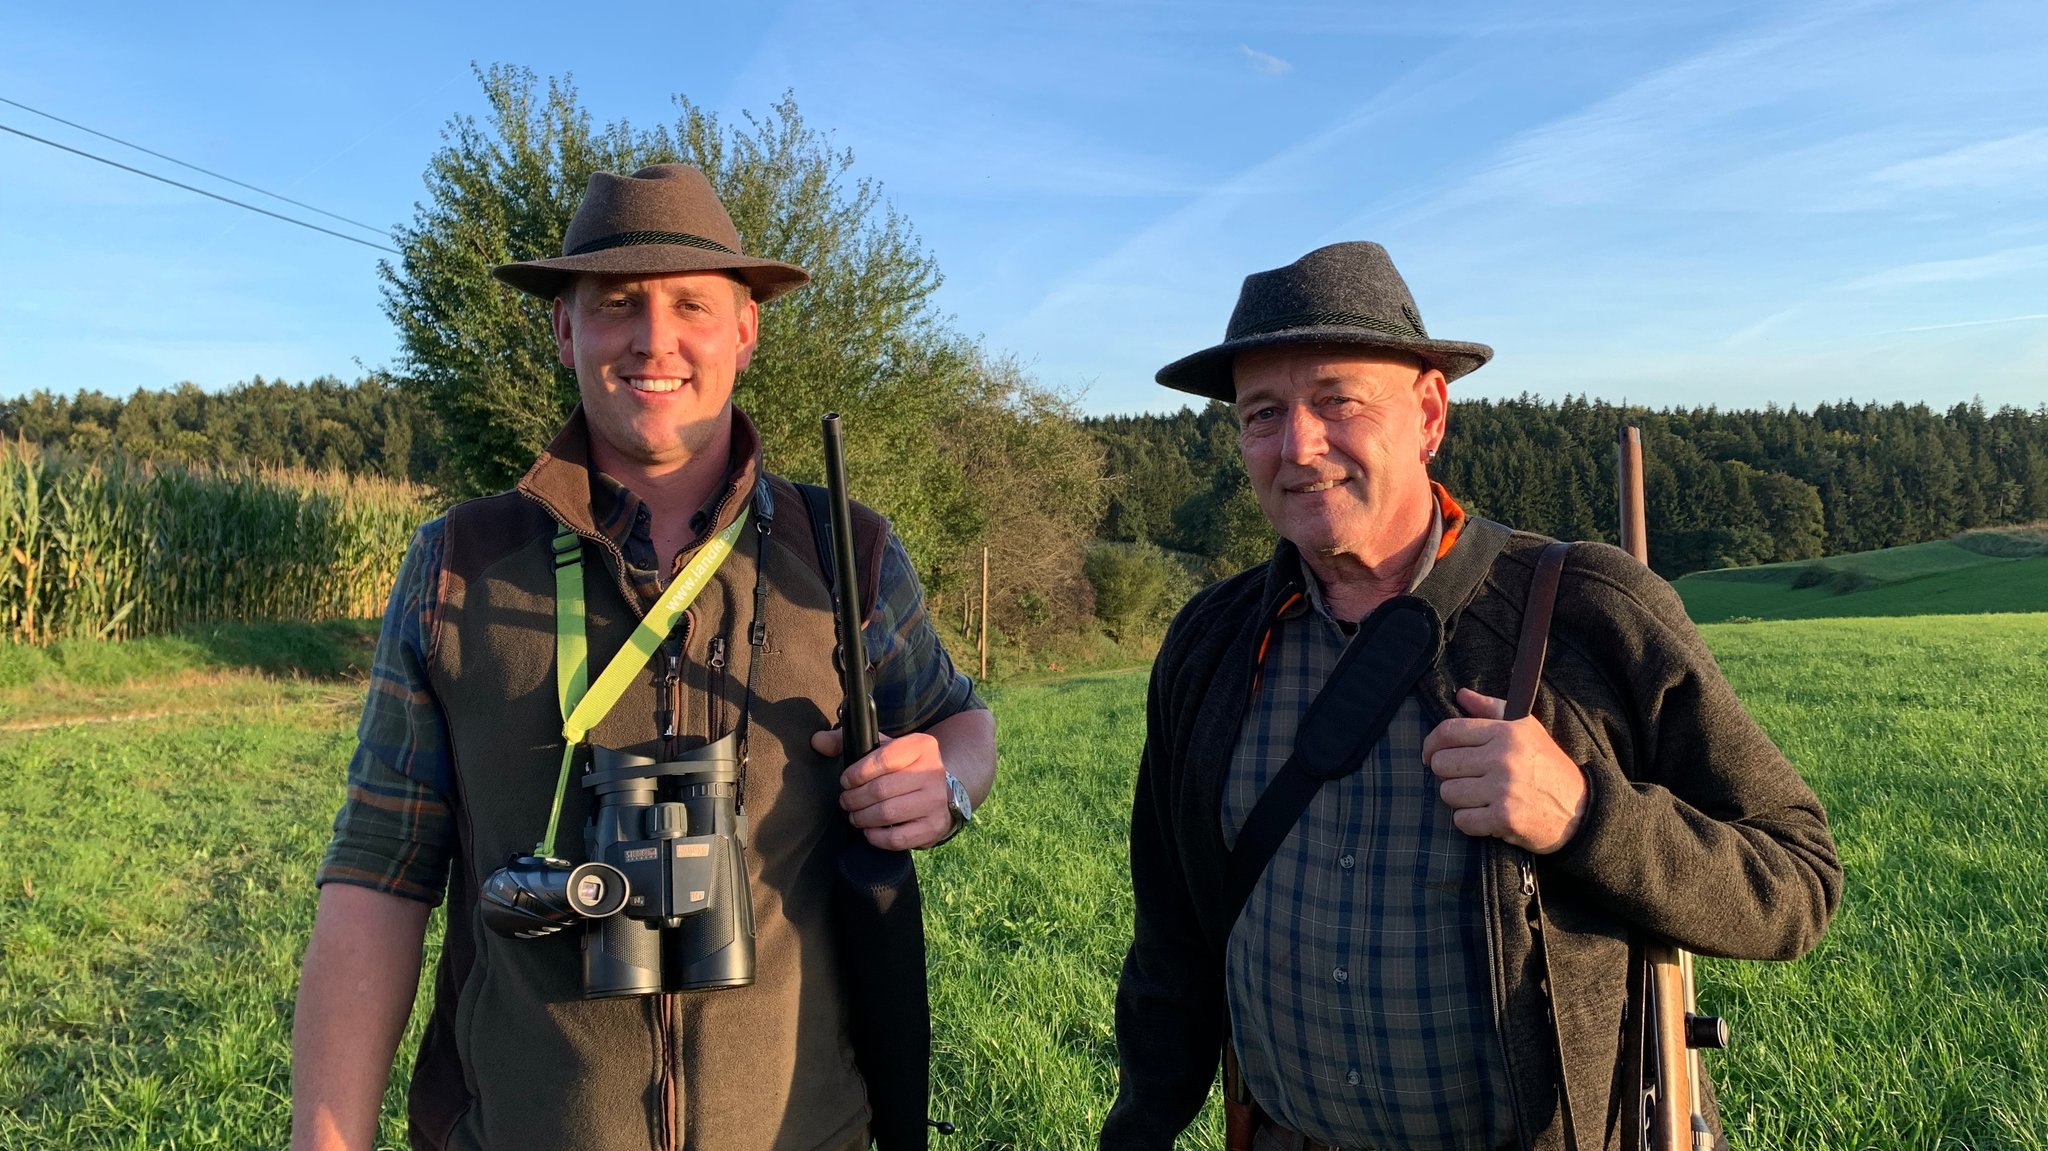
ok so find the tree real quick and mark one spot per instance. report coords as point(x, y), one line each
point(956, 449)
point(480, 354)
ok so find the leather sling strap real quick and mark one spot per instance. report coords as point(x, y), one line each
point(1394, 647)
point(1530, 650)
point(1534, 643)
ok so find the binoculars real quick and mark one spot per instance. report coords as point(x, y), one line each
point(663, 898)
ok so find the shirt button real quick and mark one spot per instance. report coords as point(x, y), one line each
point(1341, 975)
point(1345, 861)
point(1353, 1078)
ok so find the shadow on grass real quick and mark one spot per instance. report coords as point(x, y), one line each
point(329, 650)
point(332, 649)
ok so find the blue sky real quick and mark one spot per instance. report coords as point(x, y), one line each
point(1711, 203)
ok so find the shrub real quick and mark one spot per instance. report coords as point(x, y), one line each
point(1812, 575)
point(1137, 586)
point(1848, 580)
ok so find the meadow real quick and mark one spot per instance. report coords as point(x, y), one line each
point(1988, 570)
point(156, 896)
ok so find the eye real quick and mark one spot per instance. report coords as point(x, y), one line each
point(1339, 407)
point(1258, 420)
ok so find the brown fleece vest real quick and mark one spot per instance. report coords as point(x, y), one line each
point(514, 1056)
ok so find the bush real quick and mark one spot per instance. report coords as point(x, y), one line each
point(1812, 575)
point(1137, 587)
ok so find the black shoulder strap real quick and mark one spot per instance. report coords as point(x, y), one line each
point(818, 502)
point(1394, 646)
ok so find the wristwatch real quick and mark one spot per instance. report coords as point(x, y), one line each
point(958, 803)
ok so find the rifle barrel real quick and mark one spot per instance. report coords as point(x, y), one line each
point(858, 718)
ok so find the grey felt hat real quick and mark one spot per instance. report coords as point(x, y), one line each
point(659, 221)
point(1343, 294)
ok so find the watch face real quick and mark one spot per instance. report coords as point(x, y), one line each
point(956, 794)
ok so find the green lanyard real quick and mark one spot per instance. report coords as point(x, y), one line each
point(583, 707)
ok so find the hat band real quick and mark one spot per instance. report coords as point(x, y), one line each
point(631, 239)
point(1331, 320)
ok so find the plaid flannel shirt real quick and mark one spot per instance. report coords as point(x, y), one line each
point(394, 831)
point(1357, 974)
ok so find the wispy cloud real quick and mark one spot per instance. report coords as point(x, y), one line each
point(2004, 162)
point(2024, 259)
point(1264, 62)
point(1625, 147)
point(1972, 323)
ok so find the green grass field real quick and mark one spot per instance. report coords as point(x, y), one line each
point(1938, 578)
point(155, 897)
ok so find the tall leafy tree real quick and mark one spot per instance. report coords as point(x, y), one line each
point(936, 431)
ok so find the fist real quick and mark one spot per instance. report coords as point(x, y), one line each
point(1505, 779)
point(895, 794)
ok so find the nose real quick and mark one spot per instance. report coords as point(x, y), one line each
point(1303, 438)
point(655, 333)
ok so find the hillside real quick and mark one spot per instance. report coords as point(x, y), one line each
point(1977, 572)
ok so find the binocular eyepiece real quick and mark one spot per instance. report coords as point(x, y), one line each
point(664, 898)
point(532, 897)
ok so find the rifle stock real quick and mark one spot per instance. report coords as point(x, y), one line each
point(877, 911)
point(1671, 1119)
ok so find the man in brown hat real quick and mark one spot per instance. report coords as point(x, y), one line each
point(1403, 919)
point(654, 487)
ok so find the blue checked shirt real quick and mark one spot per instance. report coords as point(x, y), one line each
point(1357, 975)
point(394, 831)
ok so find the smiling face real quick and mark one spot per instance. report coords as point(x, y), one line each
point(1337, 446)
point(655, 360)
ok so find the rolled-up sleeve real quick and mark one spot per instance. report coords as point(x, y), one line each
point(394, 831)
point(915, 683)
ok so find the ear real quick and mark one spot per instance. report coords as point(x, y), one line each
point(562, 320)
point(1434, 395)
point(750, 332)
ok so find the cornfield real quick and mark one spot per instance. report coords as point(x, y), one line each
point(113, 548)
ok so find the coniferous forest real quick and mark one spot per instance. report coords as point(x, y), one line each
point(1724, 488)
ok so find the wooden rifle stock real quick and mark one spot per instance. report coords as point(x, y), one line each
point(1671, 1118)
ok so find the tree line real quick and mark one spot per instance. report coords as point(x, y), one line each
point(367, 428)
point(960, 447)
point(1722, 488)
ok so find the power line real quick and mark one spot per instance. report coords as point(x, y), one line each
point(202, 191)
point(194, 167)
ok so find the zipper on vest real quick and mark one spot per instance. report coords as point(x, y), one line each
point(714, 703)
point(634, 603)
point(671, 1095)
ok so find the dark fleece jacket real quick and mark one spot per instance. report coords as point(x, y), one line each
point(1696, 829)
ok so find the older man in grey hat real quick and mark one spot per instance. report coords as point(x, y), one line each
point(655, 486)
point(1403, 920)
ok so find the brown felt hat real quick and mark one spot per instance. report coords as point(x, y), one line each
point(658, 221)
point(1343, 294)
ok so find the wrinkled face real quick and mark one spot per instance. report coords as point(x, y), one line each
point(1337, 445)
point(655, 359)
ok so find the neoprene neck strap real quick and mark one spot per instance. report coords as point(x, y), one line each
point(583, 708)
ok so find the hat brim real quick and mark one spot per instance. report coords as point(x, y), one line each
point(546, 279)
point(1209, 371)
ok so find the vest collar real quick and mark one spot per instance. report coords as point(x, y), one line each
point(560, 479)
